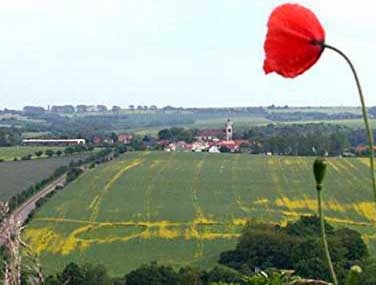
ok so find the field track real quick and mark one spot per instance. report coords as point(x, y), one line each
point(185, 208)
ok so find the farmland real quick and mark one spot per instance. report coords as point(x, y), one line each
point(16, 176)
point(185, 208)
point(9, 153)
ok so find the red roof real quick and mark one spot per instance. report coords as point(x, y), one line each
point(210, 132)
point(124, 137)
point(97, 140)
point(361, 148)
point(164, 142)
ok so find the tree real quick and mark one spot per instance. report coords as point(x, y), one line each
point(69, 150)
point(73, 173)
point(72, 275)
point(101, 108)
point(131, 107)
point(49, 152)
point(190, 276)
point(114, 137)
point(368, 277)
point(353, 242)
point(164, 134)
point(223, 274)
point(297, 246)
point(116, 108)
point(59, 153)
point(308, 226)
point(26, 157)
point(95, 275)
point(81, 108)
point(33, 110)
point(153, 274)
point(224, 148)
point(38, 153)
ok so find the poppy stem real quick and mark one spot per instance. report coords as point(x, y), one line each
point(365, 116)
point(323, 236)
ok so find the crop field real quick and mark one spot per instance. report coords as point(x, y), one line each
point(240, 123)
point(186, 208)
point(9, 153)
point(16, 176)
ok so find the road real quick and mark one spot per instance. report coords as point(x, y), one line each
point(23, 211)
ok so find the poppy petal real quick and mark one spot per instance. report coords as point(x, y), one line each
point(289, 48)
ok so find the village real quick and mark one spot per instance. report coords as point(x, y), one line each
point(204, 140)
point(209, 140)
point(175, 139)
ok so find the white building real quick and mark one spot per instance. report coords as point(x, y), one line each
point(53, 141)
point(228, 130)
point(214, 149)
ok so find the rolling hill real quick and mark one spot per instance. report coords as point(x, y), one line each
point(186, 208)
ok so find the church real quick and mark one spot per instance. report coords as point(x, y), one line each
point(212, 135)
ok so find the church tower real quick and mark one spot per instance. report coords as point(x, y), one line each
point(228, 130)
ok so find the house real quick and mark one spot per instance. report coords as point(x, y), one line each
point(363, 148)
point(170, 147)
point(214, 149)
point(125, 138)
point(163, 142)
point(108, 141)
point(199, 146)
point(209, 134)
point(97, 140)
point(231, 145)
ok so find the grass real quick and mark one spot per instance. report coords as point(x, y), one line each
point(16, 176)
point(186, 208)
point(9, 153)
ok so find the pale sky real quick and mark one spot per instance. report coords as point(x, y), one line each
point(173, 52)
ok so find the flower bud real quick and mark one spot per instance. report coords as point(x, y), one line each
point(353, 276)
point(319, 169)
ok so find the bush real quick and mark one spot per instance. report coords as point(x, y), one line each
point(298, 247)
point(73, 173)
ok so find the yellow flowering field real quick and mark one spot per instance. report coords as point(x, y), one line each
point(186, 208)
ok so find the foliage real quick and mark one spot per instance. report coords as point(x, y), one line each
point(152, 274)
point(177, 134)
point(9, 136)
point(301, 139)
point(73, 173)
point(296, 246)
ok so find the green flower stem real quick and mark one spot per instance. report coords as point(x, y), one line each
point(323, 236)
point(365, 116)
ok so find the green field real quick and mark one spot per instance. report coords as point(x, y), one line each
point(240, 123)
point(9, 153)
point(16, 176)
point(185, 208)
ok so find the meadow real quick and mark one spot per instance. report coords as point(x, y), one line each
point(9, 153)
point(186, 208)
point(17, 176)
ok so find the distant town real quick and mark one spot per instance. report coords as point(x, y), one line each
point(271, 130)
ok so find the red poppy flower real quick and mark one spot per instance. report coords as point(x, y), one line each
point(294, 40)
